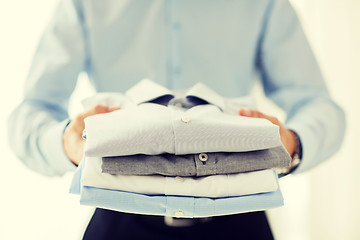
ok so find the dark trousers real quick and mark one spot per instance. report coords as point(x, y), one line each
point(106, 224)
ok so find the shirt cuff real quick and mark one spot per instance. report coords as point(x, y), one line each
point(308, 145)
point(51, 145)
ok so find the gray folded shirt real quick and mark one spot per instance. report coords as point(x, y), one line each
point(201, 164)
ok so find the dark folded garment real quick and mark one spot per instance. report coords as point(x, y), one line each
point(201, 164)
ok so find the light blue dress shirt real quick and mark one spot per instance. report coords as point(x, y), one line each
point(173, 206)
point(176, 43)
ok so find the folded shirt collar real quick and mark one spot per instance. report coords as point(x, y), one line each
point(147, 91)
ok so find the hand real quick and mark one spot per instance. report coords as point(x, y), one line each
point(288, 137)
point(73, 142)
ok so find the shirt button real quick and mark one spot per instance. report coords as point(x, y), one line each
point(178, 104)
point(177, 71)
point(203, 157)
point(179, 179)
point(176, 25)
point(185, 119)
point(179, 213)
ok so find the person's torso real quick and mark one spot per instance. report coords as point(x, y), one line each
point(174, 43)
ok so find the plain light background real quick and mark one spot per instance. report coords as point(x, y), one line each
point(320, 204)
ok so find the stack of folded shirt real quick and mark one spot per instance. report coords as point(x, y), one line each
point(187, 154)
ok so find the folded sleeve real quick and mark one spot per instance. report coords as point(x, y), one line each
point(293, 80)
point(36, 126)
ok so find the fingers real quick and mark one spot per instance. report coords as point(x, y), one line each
point(73, 142)
point(78, 125)
point(246, 112)
point(287, 136)
point(99, 109)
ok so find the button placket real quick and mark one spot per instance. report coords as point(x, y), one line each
point(205, 164)
point(182, 207)
point(174, 38)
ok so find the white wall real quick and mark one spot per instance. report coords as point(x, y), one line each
point(324, 202)
point(31, 206)
point(321, 204)
point(334, 30)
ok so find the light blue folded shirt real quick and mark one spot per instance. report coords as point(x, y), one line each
point(174, 206)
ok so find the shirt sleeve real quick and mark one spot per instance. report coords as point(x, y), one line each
point(36, 126)
point(293, 80)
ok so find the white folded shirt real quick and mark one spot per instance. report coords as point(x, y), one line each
point(154, 129)
point(143, 126)
point(211, 186)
